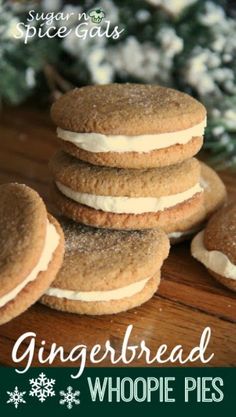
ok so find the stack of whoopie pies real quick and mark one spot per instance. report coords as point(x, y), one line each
point(126, 174)
point(125, 181)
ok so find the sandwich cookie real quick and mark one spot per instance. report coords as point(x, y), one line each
point(119, 198)
point(129, 125)
point(215, 196)
point(215, 247)
point(105, 271)
point(32, 247)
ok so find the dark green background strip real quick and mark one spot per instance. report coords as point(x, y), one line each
point(9, 379)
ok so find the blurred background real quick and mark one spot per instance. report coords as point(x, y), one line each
point(186, 44)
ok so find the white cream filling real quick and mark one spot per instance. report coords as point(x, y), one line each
point(51, 243)
point(132, 205)
point(88, 296)
point(98, 142)
point(177, 235)
point(215, 260)
point(204, 183)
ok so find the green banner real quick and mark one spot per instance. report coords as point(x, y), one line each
point(117, 391)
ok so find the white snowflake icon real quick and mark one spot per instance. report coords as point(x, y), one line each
point(42, 387)
point(16, 397)
point(69, 397)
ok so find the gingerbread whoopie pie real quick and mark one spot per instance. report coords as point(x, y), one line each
point(106, 271)
point(129, 125)
point(215, 195)
point(32, 248)
point(215, 247)
point(120, 198)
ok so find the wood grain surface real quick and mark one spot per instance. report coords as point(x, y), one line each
point(188, 299)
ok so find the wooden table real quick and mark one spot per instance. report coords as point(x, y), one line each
point(188, 299)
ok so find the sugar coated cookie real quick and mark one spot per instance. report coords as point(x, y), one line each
point(32, 247)
point(129, 125)
point(106, 271)
point(215, 196)
point(215, 247)
point(125, 198)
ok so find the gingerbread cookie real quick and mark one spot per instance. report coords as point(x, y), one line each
point(215, 196)
point(215, 247)
point(106, 271)
point(129, 125)
point(32, 247)
point(125, 198)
